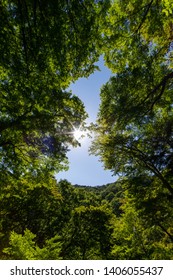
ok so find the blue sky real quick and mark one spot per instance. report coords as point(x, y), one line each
point(85, 169)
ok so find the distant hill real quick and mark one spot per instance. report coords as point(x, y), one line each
point(111, 192)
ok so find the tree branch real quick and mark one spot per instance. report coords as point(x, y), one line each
point(161, 85)
point(141, 156)
point(170, 236)
point(144, 16)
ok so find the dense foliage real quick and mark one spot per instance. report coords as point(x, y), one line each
point(134, 130)
point(76, 222)
point(44, 46)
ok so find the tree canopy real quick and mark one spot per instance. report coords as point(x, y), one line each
point(135, 116)
point(135, 27)
point(134, 132)
point(45, 46)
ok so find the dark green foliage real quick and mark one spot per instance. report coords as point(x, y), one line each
point(134, 135)
point(44, 46)
point(88, 233)
point(67, 222)
point(74, 214)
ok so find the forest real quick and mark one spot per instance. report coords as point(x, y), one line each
point(45, 46)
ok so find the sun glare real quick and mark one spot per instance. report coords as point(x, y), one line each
point(79, 134)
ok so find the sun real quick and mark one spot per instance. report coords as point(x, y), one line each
point(79, 134)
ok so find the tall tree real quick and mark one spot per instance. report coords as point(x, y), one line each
point(45, 46)
point(134, 132)
point(130, 139)
point(135, 117)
